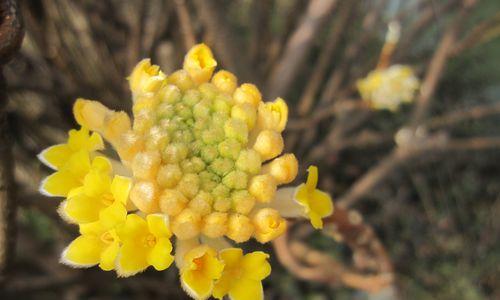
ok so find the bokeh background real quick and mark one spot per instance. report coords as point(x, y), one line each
point(431, 197)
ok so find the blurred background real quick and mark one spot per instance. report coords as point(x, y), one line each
point(417, 190)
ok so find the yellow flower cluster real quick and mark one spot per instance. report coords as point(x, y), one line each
point(389, 88)
point(200, 161)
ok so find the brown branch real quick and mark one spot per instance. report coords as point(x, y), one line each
point(298, 46)
point(438, 64)
point(345, 226)
point(481, 33)
point(325, 57)
point(185, 24)
point(11, 35)
point(386, 167)
point(476, 113)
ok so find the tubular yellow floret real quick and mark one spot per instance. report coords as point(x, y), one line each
point(273, 115)
point(262, 187)
point(199, 62)
point(144, 195)
point(146, 78)
point(239, 228)
point(247, 93)
point(283, 169)
point(268, 225)
point(269, 144)
point(215, 224)
point(172, 202)
point(187, 224)
point(225, 81)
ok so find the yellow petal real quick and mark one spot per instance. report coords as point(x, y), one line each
point(78, 164)
point(196, 285)
point(96, 184)
point(158, 225)
point(223, 285)
point(95, 142)
point(199, 62)
point(59, 184)
point(120, 188)
point(231, 256)
point(132, 259)
point(113, 215)
point(81, 209)
point(159, 257)
point(84, 251)
point(247, 289)
point(133, 228)
point(101, 164)
point(108, 256)
point(56, 156)
point(321, 203)
point(256, 265)
point(212, 267)
point(312, 178)
point(92, 229)
point(316, 220)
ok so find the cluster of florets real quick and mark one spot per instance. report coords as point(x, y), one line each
point(200, 161)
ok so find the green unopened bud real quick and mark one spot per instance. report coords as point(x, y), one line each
point(201, 110)
point(208, 91)
point(222, 104)
point(165, 110)
point(189, 185)
point(236, 129)
point(249, 161)
point(229, 148)
point(193, 165)
point(236, 180)
point(175, 153)
point(208, 180)
point(212, 135)
point(221, 166)
point(170, 94)
point(191, 97)
point(209, 153)
point(245, 112)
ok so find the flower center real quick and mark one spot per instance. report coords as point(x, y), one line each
point(107, 237)
point(107, 199)
point(198, 262)
point(150, 241)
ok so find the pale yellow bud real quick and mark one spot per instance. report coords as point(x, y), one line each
point(148, 102)
point(202, 203)
point(143, 120)
point(273, 115)
point(117, 124)
point(129, 144)
point(169, 175)
point(181, 79)
point(262, 187)
point(284, 168)
point(199, 62)
point(157, 139)
point(249, 161)
point(245, 112)
point(145, 164)
point(189, 185)
point(243, 202)
point(172, 202)
point(215, 224)
point(268, 225)
point(187, 224)
point(239, 228)
point(222, 204)
point(144, 195)
point(225, 81)
point(247, 93)
point(90, 114)
point(268, 144)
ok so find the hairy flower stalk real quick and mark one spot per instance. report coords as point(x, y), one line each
point(200, 161)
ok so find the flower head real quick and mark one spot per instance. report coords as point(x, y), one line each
point(243, 274)
point(200, 161)
point(389, 88)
